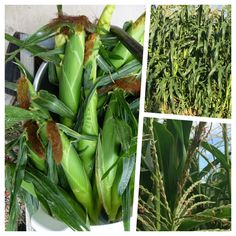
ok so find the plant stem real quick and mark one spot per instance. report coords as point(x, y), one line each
point(156, 180)
point(226, 150)
point(191, 152)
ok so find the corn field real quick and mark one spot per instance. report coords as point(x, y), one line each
point(185, 181)
point(189, 61)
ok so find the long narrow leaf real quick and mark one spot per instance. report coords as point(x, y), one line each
point(53, 104)
point(16, 182)
point(60, 203)
point(128, 168)
point(217, 154)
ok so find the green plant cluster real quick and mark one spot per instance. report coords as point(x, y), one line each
point(177, 192)
point(189, 61)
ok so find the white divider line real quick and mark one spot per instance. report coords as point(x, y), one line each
point(183, 117)
point(140, 121)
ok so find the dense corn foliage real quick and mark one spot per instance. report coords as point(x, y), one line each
point(189, 61)
point(185, 181)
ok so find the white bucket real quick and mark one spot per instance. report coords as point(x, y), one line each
point(41, 221)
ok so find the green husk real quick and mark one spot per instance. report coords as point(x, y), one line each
point(105, 19)
point(60, 42)
point(38, 162)
point(72, 69)
point(106, 156)
point(77, 177)
point(136, 31)
point(90, 122)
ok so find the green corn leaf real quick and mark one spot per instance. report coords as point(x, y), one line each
point(128, 113)
point(52, 76)
point(219, 213)
point(124, 133)
point(69, 211)
point(52, 170)
point(217, 154)
point(128, 168)
point(207, 169)
point(74, 134)
point(101, 62)
point(34, 49)
point(9, 173)
point(53, 104)
point(23, 70)
point(13, 143)
point(109, 40)
point(14, 115)
point(49, 53)
point(131, 44)
point(18, 176)
point(10, 85)
point(30, 201)
point(129, 68)
point(126, 208)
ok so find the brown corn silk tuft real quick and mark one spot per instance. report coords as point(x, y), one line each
point(23, 96)
point(89, 46)
point(79, 21)
point(33, 138)
point(130, 84)
point(55, 139)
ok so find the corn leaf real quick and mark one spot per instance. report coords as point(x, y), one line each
point(128, 168)
point(104, 65)
point(14, 114)
point(69, 211)
point(126, 208)
point(30, 201)
point(52, 76)
point(51, 165)
point(74, 134)
point(132, 67)
point(23, 70)
point(131, 44)
point(221, 213)
point(217, 154)
point(10, 85)
point(18, 176)
point(53, 104)
point(34, 49)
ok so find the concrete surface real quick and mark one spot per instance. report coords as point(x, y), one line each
point(28, 18)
